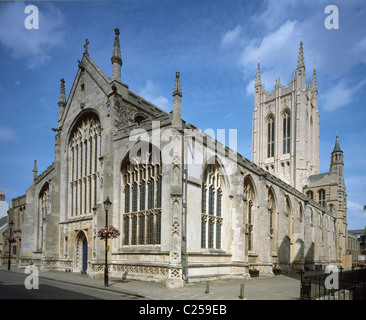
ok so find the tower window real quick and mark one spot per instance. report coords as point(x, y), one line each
point(271, 137)
point(310, 194)
point(321, 197)
point(286, 133)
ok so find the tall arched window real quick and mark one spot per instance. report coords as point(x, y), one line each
point(211, 205)
point(310, 194)
point(142, 178)
point(286, 132)
point(272, 216)
point(249, 218)
point(84, 152)
point(289, 217)
point(43, 211)
point(321, 197)
point(270, 137)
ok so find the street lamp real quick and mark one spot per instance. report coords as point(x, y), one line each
point(107, 204)
point(11, 223)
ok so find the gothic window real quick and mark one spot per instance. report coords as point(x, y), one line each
point(142, 194)
point(43, 209)
point(272, 217)
point(321, 197)
point(211, 221)
point(310, 194)
point(270, 137)
point(288, 214)
point(139, 118)
point(271, 209)
point(84, 152)
point(301, 213)
point(248, 216)
point(286, 132)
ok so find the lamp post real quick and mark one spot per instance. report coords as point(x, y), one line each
point(107, 204)
point(11, 223)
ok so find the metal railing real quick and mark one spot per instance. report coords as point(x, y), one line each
point(351, 285)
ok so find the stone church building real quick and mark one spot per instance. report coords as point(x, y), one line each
point(188, 208)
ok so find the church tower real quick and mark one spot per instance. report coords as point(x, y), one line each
point(286, 127)
point(336, 166)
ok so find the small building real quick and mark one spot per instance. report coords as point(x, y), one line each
point(353, 247)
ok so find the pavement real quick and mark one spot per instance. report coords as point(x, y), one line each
point(264, 287)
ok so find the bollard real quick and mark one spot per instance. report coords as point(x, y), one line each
point(241, 296)
point(207, 288)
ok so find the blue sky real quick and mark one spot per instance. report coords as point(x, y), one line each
point(213, 44)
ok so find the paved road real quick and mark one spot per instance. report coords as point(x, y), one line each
point(12, 287)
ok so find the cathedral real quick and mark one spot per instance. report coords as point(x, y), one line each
point(186, 207)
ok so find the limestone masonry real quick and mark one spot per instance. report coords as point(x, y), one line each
point(188, 208)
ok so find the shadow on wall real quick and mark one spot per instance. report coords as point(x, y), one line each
point(291, 255)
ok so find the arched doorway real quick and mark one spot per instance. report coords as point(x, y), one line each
point(81, 243)
point(85, 255)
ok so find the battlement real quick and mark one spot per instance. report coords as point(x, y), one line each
point(2, 195)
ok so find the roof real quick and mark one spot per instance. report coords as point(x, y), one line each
point(316, 177)
point(337, 147)
point(3, 221)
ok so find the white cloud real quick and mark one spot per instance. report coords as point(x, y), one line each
point(356, 209)
point(34, 44)
point(231, 36)
point(150, 93)
point(275, 50)
point(339, 95)
point(273, 34)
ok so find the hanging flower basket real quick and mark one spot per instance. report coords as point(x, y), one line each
point(10, 239)
point(108, 233)
point(254, 272)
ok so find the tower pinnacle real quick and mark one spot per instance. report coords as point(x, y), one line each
point(116, 57)
point(300, 69)
point(62, 99)
point(315, 87)
point(300, 59)
point(258, 81)
point(177, 85)
point(35, 170)
point(177, 103)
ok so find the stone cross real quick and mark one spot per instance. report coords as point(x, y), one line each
point(86, 45)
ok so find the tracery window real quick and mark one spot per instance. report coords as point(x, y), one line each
point(248, 218)
point(272, 218)
point(286, 132)
point(84, 152)
point(43, 211)
point(142, 194)
point(270, 137)
point(310, 194)
point(321, 197)
point(211, 207)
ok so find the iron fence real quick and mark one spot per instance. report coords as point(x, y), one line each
point(351, 286)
